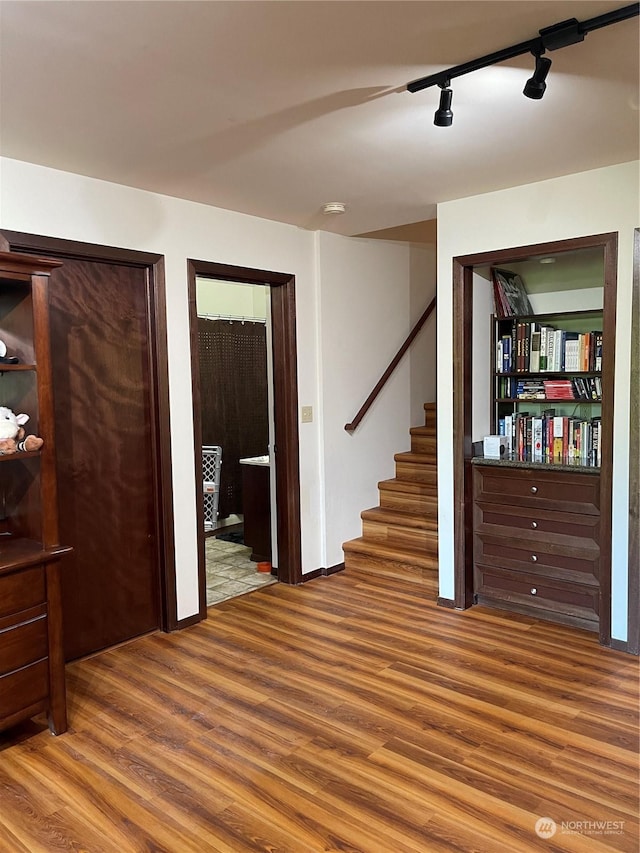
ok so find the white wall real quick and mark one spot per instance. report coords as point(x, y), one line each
point(59, 204)
point(595, 202)
point(365, 298)
point(364, 319)
point(422, 354)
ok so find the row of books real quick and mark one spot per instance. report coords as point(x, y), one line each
point(550, 438)
point(587, 388)
point(530, 347)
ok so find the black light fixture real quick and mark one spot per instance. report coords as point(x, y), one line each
point(443, 116)
point(535, 86)
point(549, 38)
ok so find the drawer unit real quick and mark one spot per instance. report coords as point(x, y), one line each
point(23, 644)
point(561, 491)
point(20, 590)
point(543, 597)
point(24, 690)
point(536, 543)
point(31, 661)
point(536, 525)
point(567, 562)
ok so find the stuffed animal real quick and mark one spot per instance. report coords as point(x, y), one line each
point(12, 436)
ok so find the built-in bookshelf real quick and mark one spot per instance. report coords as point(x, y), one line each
point(540, 515)
point(547, 386)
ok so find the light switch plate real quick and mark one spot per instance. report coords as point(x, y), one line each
point(307, 414)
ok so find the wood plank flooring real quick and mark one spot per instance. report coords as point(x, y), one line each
point(348, 714)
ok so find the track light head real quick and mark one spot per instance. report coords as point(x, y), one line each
point(535, 86)
point(443, 116)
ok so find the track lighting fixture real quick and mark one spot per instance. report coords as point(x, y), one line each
point(443, 116)
point(535, 86)
point(549, 38)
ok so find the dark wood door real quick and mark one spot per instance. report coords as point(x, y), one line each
point(103, 420)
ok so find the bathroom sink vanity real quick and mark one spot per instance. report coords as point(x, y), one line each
point(256, 490)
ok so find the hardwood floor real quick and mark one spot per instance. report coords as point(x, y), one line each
point(348, 714)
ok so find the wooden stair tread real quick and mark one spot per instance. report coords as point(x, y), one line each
point(408, 487)
point(416, 458)
point(429, 407)
point(424, 431)
point(411, 556)
point(400, 519)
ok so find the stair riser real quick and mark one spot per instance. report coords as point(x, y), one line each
point(422, 444)
point(427, 506)
point(393, 568)
point(425, 540)
point(430, 416)
point(417, 473)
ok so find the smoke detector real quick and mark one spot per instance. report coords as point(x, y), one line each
point(333, 208)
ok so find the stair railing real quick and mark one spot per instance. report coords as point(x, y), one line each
point(364, 408)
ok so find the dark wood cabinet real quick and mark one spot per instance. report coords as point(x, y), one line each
point(31, 654)
point(256, 502)
point(537, 541)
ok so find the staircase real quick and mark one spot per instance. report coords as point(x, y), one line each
point(400, 537)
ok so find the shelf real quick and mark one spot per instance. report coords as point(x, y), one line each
point(565, 465)
point(559, 315)
point(548, 373)
point(19, 553)
point(11, 368)
point(548, 400)
point(19, 455)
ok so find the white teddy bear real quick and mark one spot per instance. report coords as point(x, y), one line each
point(12, 437)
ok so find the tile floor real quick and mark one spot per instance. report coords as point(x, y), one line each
point(230, 572)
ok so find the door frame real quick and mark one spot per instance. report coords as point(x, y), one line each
point(158, 367)
point(463, 267)
point(285, 400)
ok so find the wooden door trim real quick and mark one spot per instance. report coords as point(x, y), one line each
point(462, 396)
point(285, 381)
point(153, 264)
point(633, 639)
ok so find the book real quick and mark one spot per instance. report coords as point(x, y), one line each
point(510, 295)
point(597, 352)
point(534, 358)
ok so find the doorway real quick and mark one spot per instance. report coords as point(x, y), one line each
point(236, 408)
point(279, 289)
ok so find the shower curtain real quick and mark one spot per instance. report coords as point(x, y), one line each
point(233, 389)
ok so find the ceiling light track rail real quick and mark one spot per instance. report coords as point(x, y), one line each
point(557, 36)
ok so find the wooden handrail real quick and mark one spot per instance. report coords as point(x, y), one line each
point(364, 408)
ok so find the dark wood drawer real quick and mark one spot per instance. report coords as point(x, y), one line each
point(537, 488)
point(531, 591)
point(23, 644)
point(563, 562)
point(22, 589)
point(535, 524)
point(24, 688)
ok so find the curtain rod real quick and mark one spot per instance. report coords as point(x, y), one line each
point(232, 318)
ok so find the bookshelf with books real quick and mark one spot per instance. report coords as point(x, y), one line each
point(542, 511)
point(547, 386)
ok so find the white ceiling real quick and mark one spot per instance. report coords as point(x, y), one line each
point(273, 108)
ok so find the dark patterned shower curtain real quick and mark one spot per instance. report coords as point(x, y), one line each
point(233, 389)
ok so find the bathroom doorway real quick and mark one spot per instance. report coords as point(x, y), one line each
point(254, 478)
point(236, 417)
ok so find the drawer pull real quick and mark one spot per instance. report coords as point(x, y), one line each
point(534, 559)
point(534, 591)
point(534, 524)
point(534, 490)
